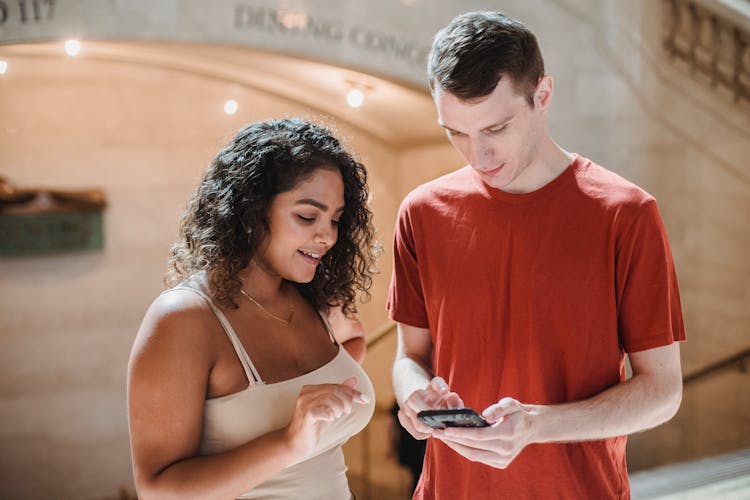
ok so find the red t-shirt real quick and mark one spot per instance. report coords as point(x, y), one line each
point(536, 296)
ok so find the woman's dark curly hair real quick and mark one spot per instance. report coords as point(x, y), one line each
point(226, 219)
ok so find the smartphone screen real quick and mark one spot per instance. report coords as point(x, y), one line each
point(452, 417)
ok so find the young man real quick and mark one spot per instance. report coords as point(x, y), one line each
point(520, 283)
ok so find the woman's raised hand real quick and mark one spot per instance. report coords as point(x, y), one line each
point(317, 406)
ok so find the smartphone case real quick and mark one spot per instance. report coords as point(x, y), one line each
point(453, 417)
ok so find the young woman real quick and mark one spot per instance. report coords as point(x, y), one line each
point(244, 379)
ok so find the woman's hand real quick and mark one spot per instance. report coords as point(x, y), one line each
point(317, 406)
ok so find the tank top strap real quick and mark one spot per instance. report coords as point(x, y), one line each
point(253, 377)
point(329, 328)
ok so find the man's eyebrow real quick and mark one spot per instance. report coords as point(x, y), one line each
point(446, 127)
point(316, 204)
point(499, 123)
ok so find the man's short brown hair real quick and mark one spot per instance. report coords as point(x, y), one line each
point(477, 49)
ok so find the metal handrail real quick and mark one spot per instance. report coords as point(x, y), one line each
point(380, 333)
point(737, 360)
point(373, 339)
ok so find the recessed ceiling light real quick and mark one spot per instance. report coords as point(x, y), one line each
point(231, 106)
point(72, 47)
point(3, 67)
point(355, 98)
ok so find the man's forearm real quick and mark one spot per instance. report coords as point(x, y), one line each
point(641, 403)
point(409, 375)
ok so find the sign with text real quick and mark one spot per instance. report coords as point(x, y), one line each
point(385, 38)
point(27, 11)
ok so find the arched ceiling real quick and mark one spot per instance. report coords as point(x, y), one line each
point(399, 115)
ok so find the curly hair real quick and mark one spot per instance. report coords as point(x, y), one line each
point(226, 221)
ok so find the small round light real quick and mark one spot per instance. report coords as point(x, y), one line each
point(72, 47)
point(3, 67)
point(355, 98)
point(231, 106)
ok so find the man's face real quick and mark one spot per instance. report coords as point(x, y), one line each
point(496, 134)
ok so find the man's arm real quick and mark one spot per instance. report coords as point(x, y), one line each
point(414, 384)
point(650, 397)
point(412, 369)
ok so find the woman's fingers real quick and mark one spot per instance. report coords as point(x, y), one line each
point(338, 398)
point(359, 397)
point(317, 406)
point(344, 391)
point(350, 382)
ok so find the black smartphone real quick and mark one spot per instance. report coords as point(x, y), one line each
point(452, 417)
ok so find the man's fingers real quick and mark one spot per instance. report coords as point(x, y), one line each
point(473, 454)
point(432, 396)
point(428, 400)
point(436, 395)
point(424, 400)
point(473, 436)
point(453, 401)
point(506, 406)
point(438, 385)
point(412, 425)
point(420, 427)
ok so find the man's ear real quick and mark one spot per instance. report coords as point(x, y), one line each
point(543, 93)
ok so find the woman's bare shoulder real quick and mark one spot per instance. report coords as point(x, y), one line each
point(177, 320)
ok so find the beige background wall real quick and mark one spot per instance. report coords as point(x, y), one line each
point(688, 145)
point(144, 135)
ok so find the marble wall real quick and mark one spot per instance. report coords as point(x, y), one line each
point(663, 127)
point(620, 101)
point(144, 135)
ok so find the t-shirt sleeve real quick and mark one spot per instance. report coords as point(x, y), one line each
point(649, 310)
point(405, 297)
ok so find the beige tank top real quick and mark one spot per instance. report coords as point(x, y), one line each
point(232, 420)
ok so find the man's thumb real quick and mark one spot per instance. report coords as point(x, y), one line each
point(506, 406)
point(438, 384)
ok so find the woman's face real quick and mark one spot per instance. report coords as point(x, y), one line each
point(303, 226)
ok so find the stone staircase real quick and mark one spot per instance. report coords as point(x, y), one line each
point(725, 477)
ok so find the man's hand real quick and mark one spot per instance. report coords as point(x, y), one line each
point(436, 395)
point(509, 433)
point(650, 397)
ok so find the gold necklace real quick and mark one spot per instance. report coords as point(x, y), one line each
point(269, 313)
